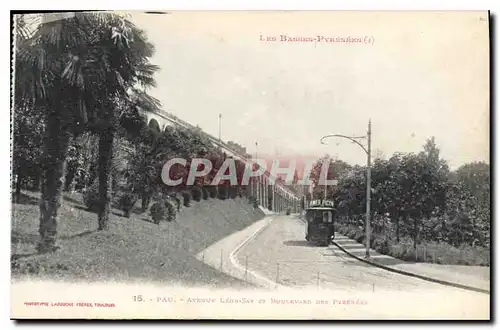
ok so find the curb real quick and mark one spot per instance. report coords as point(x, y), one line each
point(402, 272)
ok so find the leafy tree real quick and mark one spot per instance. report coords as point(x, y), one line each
point(154, 149)
point(337, 169)
point(28, 130)
point(416, 195)
point(76, 69)
point(475, 177)
point(468, 205)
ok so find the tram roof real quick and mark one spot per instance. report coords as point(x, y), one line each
point(320, 208)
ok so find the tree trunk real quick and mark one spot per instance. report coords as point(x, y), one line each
point(38, 183)
point(145, 200)
point(91, 173)
point(55, 151)
point(70, 177)
point(415, 229)
point(105, 177)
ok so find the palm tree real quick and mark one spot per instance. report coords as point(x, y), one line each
point(75, 69)
point(133, 127)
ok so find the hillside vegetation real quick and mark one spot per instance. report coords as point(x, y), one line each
point(133, 249)
point(420, 209)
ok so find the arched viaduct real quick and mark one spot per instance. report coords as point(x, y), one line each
point(282, 197)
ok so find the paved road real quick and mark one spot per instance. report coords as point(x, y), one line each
point(280, 253)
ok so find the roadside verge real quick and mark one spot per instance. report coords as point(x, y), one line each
point(406, 273)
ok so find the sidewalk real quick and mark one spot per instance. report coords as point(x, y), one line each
point(475, 276)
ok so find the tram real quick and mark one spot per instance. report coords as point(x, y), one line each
point(319, 217)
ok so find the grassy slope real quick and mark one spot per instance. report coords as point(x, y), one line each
point(132, 249)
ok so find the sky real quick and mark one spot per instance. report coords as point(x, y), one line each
point(419, 74)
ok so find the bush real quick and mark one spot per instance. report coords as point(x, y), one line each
point(91, 197)
point(288, 211)
point(170, 211)
point(197, 193)
point(244, 191)
point(233, 192)
point(125, 201)
point(158, 212)
point(175, 202)
point(359, 236)
point(353, 232)
point(205, 193)
point(345, 231)
point(212, 191)
point(382, 246)
point(186, 198)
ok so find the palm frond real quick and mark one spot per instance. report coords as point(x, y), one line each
point(73, 60)
point(25, 25)
point(145, 74)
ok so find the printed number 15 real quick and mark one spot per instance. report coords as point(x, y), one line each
point(137, 298)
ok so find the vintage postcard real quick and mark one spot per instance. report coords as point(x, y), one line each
point(290, 165)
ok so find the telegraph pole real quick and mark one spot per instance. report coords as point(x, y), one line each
point(368, 188)
point(257, 186)
point(220, 123)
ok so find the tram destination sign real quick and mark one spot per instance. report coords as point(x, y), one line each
point(321, 203)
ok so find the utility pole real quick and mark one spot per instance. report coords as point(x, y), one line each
point(220, 123)
point(368, 187)
point(257, 187)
